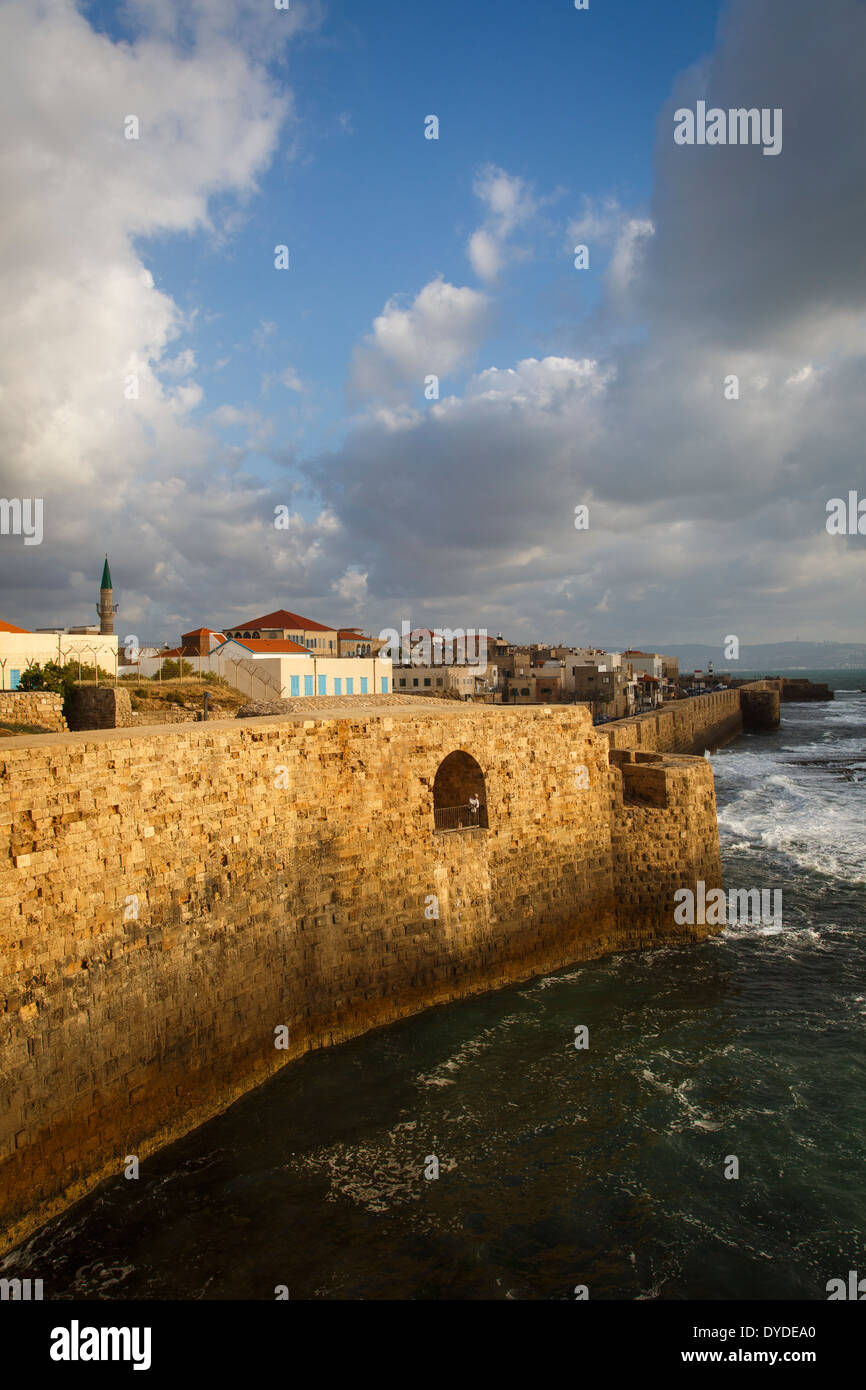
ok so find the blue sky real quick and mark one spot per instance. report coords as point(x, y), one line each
point(410, 256)
point(370, 209)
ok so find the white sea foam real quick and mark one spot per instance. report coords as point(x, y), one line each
point(798, 802)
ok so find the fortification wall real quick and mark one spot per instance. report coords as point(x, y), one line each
point(664, 836)
point(797, 689)
point(171, 896)
point(683, 726)
point(40, 707)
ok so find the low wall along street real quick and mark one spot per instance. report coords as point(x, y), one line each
point(172, 895)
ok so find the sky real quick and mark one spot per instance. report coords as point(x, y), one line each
point(241, 437)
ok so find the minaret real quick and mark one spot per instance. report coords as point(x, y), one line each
point(105, 607)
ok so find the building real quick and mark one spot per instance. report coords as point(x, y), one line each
point(649, 694)
point(21, 649)
point(200, 642)
point(436, 680)
point(288, 627)
point(609, 692)
point(650, 663)
point(270, 668)
point(351, 641)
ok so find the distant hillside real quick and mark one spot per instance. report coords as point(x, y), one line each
point(769, 656)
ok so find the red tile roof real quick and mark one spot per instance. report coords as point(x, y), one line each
point(203, 632)
point(269, 644)
point(282, 619)
point(10, 627)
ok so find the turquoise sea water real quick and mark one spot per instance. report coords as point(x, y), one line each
point(603, 1167)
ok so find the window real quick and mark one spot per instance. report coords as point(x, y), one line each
point(415, 681)
point(296, 685)
point(426, 680)
point(363, 685)
point(323, 685)
point(384, 685)
point(350, 685)
point(438, 680)
point(338, 685)
point(308, 685)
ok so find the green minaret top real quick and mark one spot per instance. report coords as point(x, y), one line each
point(106, 576)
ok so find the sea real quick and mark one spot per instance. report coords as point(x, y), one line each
point(706, 1144)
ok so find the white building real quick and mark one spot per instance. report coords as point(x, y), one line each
point(21, 649)
point(650, 663)
point(273, 669)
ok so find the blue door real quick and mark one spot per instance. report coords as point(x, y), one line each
point(363, 685)
point(350, 685)
point(384, 685)
point(338, 685)
point(14, 680)
point(308, 685)
point(296, 685)
point(323, 685)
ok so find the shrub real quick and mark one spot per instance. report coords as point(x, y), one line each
point(173, 670)
point(51, 676)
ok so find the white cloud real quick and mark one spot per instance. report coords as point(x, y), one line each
point(291, 380)
point(508, 204)
point(182, 365)
point(626, 259)
point(83, 313)
point(351, 588)
point(438, 333)
point(599, 222)
point(89, 419)
point(485, 254)
point(231, 415)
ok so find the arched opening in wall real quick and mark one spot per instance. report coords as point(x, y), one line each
point(459, 794)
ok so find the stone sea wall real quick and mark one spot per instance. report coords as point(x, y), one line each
point(170, 898)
